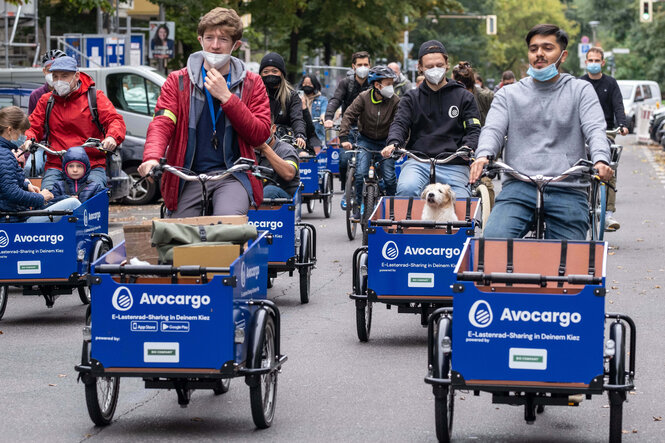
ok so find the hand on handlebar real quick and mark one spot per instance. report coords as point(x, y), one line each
point(347, 146)
point(604, 171)
point(477, 169)
point(301, 143)
point(109, 144)
point(146, 167)
point(623, 130)
point(328, 124)
point(387, 152)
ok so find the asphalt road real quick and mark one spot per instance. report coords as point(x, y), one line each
point(334, 388)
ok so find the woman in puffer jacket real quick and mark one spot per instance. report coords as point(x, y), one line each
point(16, 192)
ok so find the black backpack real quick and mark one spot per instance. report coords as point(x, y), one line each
point(92, 105)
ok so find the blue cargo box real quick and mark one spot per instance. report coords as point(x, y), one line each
point(511, 333)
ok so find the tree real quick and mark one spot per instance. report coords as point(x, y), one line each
point(515, 18)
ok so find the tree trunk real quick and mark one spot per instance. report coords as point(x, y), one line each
point(294, 41)
point(327, 52)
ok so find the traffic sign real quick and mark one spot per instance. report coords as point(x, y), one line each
point(621, 51)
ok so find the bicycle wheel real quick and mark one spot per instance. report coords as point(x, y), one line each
point(617, 376)
point(327, 189)
point(262, 396)
point(485, 205)
point(370, 196)
point(4, 294)
point(444, 400)
point(597, 197)
point(350, 196)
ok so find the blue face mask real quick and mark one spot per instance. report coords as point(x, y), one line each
point(593, 68)
point(546, 73)
point(21, 139)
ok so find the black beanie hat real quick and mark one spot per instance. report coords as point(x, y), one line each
point(431, 47)
point(273, 59)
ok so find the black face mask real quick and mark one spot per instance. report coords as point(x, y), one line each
point(309, 90)
point(272, 81)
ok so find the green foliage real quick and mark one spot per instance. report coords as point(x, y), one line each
point(515, 18)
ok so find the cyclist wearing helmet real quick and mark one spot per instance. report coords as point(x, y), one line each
point(373, 111)
point(47, 60)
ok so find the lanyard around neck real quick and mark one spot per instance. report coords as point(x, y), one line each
point(210, 104)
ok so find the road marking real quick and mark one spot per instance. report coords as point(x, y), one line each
point(658, 169)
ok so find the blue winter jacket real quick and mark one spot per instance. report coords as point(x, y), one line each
point(83, 188)
point(14, 194)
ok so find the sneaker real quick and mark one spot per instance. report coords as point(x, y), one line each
point(611, 224)
point(342, 203)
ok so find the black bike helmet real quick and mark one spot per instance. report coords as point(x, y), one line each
point(378, 73)
point(52, 55)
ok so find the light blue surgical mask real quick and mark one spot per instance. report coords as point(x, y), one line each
point(21, 139)
point(546, 73)
point(593, 68)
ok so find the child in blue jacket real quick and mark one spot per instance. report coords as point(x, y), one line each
point(76, 172)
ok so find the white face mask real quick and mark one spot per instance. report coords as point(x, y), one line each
point(216, 61)
point(49, 79)
point(362, 72)
point(435, 75)
point(387, 91)
point(62, 87)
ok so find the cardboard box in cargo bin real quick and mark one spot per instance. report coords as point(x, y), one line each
point(218, 256)
point(137, 236)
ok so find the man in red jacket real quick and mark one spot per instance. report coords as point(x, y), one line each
point(71, 124)
point(209, 114)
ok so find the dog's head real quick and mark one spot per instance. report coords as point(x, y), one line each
point(438, 195)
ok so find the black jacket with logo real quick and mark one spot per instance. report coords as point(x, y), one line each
point(433, 122)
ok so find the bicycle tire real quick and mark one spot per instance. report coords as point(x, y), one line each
point(485, 205)
point(370, 197)
point(350, 196)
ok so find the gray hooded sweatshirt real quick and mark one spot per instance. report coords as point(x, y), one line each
point(547, 125)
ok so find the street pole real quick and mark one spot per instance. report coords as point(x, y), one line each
point(405, 66)
point(47, 31)
point(594, 24)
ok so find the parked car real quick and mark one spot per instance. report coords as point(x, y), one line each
point(133, 90)
point(638, 92)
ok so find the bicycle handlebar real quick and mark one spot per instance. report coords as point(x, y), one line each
point(582, 167)
point(242, 164)
point(465, 153)
point(94, 143)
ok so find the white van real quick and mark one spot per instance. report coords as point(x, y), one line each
point(635, 93)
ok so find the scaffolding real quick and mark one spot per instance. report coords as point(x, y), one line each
point(12, 19)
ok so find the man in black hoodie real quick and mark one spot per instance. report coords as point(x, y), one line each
point(439, 116)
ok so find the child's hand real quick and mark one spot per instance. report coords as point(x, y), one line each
point(32, 188)
point(47, 194)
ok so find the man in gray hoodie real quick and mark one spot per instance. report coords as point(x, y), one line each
point(548, 117)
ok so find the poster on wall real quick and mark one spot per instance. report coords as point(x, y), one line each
point(162, 35)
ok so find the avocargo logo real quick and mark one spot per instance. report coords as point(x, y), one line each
point(122, 299)
point(4, 239)
point(42, 238)
point(267, 224)
point(480, 314)
point(93, 216)
point(306, 171)
point(248, 272)
point(390, 250)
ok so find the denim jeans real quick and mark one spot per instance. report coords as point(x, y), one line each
point(363, 163)
point(344, 157)
point(39, 164)
point(566, 212)
point(63, 205)
point(415, 176)
point(272, 191)
point(52, 175)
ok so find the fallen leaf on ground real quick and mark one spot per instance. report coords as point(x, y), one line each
point(52, 384)
point(197, 419)
point(611, 253)
point(659, 418)
point(606, 406)
point(615, 287)
point(62, 375)
point(633, 392)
